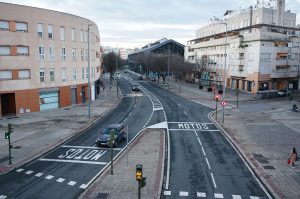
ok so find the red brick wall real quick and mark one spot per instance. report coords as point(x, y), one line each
point(27, 99)
point(65, 96)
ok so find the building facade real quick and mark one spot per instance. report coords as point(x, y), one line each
point(262, 45)
point(44, 59)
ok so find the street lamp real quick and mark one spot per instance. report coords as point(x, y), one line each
point(224, 81)
point(89, 76)
point(117, 70)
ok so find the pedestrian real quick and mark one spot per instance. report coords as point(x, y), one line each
point(293, 157)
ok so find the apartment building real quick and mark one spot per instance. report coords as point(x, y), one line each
point(262, 45)
point(44, 59)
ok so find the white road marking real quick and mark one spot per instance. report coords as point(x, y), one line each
point(167, 193)
point(73, 161)
point(254, 197)
point(39, 174)
point(29, 172)
point(236, 197)
point(3, 197)
point(179, 105)
point(72, 183)
point(49, 177)
point(198, 139)
point(218, 195)
point(88, 147)
point(183, 193)
point(185, 113)
point(207, 163)
point(19, 170)
point(83, 186)
point(192, 130)
point(203, 151)
point(201, 195)
point(60, 180)
point(188, 123)
point(213, 179)
point(168, 160)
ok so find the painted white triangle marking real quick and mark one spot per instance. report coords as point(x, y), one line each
point(162, 125)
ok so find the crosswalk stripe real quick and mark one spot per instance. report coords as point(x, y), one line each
point(29, 172)
point(19, 170)
point(60, 180)
point(201, 195)
point(236, 197)
point(49, 177)
point(183, 193)
point(39, 174)
point(83, 186)
point(167, 193)
point(72, 183)
point(218, 195)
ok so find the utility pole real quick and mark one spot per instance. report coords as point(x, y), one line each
point(111, 144)
point(224, 81)
point(117, 70)
point(7, 137)
point(169, 68)
point(89, 75)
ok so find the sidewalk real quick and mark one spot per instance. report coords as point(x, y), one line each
point(37, 133)
point(147, 150)
point(264, 131)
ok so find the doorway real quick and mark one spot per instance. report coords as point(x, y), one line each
point(8, 104)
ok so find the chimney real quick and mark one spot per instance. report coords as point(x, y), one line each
point(281, 9)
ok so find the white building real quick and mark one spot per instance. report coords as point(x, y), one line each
point(262, 45)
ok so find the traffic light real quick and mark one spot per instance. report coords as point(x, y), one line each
point(217, 98)
point(6, 135)
point(10, 128)
point(139, 172)
point(143, 182)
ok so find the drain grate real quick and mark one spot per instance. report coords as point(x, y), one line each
point(102, 196)
point(260, 158)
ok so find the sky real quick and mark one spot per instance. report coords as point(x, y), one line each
point(135, 23)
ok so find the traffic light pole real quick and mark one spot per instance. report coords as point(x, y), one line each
point(139, 189)
point(216, 109)
point(9, 149)
point(111, 143)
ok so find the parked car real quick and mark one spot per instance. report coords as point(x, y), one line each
point(136, 88)
point(104, 136)
point(283, 93)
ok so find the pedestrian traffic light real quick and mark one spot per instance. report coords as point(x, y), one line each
point(139, 172)
point(6, 135)
point(217, 98)
point(143, 182)
point(10, 128)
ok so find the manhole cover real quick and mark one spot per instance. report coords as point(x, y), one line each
point(269, 167)
point(102, 196)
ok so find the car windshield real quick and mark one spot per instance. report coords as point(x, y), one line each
point(106, 131)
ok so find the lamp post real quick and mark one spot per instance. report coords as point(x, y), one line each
point(117, 70)
point(224, 81)
point(89, 75)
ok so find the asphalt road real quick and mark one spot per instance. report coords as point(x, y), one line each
point(75, 163)
point(203, 164)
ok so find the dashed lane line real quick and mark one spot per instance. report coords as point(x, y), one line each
point(218, 195)
point(184, 193)
point(213, 179)
point(201, 195)
point(39, 174)
point(60, 180)
point(204, 195)
point(19, 170)
point(29, 172)
point(72, 183)
point(49, 177)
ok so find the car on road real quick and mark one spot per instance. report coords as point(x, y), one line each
point(136, 88)
point(105, 135)
point(283, 93)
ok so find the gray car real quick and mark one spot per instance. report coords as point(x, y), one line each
point(104, 136)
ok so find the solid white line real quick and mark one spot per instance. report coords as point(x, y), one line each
point(254, 197)
point(19, 170)
point(60, 180)
point(29, 172)
point(213, 179)
point(188, 123)
point(193, 130)
point(3, 197)
point(49, 177)
point(207, 163)
point(72, 183)
point(185, 113)
point(168, 164)
point(218, 195)
point(203, 151)
point(183, 193)
point(83, 186)
point(236, 197)
point(201, 195)
point(167, 193)
point(73, 161)
point(199, 140)
point(39, 174)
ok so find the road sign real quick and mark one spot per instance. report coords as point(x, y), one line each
point(224, 103)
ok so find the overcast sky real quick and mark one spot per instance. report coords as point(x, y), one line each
point(134, 23)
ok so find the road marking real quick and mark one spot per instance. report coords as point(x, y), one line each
point(254, 197)
point(185, 113)
point(207, 163)
point(73, 161)
point(218, 195)
point(236, 197)
point(72, 183)
point(29, 172)
point(183, 193)
point(60, 180)
point(39, 174)
point(83, 186)
point(179, 105)
point(3, 197)
point(201, 195)
point(213, 179)
point(19, 170)
point(193, 130)
point(203, 151)
point(49, 177)
point(89, 147)
point(167, 193)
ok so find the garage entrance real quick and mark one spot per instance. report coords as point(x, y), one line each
point(8, 104)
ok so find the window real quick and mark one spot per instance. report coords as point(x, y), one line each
point(40, 30)
point(82, 54)
point(74, 54)
point(21, 27)
point(50, 31)
point(42, 53)
point(73, 34)
point(24, 74)
point(5, 74)
point(4, 50)
point(74, 73)
point(22, 50)
point(81, 35)
point(63, 53)
point(51, 53)
point(52, 74)
point(82, 73)
point(4, 25)
point(42, 75)
point(62, 33)
point(63, 74)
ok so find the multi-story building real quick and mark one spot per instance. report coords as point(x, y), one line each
point(44, 59)
point(262, 45)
